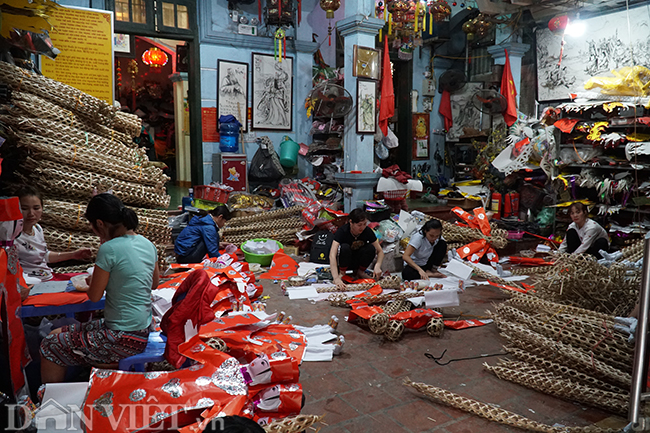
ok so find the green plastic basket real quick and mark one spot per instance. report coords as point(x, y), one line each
point(262, 259)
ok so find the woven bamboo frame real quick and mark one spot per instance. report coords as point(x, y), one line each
point(605, 345)
point(58, 240)
point(293, 424)
point(283, 236)
point(633, 250)
point(338, 300)
point(33, 106)
point(565, 354)
point(464, 235)
point(388, 282)
point(264, 216)
point(534, 305)
point(68, 134)
point(285, 223)
point(72, 269)
point(494, 278)
point(536, 270)
point(562, 370)
point(69, 98)
point(88, 159)
point(73, 183)
point(579, 280)
point(494, 413)
point(552, 384)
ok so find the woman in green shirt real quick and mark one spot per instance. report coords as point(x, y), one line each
point(126, 270)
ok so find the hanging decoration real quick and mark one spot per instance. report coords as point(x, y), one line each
point(155, 58)
point(558, 25)
point(280, 13)
point(330, 6)
point(478, 27)
point(280, 46)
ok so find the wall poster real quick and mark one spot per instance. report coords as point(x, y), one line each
point(232, 90)
point(272, 92)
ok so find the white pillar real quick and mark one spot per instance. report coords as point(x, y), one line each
point(516, 51)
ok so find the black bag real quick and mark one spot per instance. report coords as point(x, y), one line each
point(320, 247)
point(265, 165)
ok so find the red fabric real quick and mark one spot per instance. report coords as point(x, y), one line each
point(397, 173)
point(196, 306)
point(283, 267)
point(445, 109)
point(54, 299)
point(509, 91)
point(529, 261)
point(415, 319)
point(10, 209)
point(462, 324)
point(387, 105)
point(566, 125)
point(65, 277)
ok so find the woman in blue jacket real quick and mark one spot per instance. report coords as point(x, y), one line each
point(201, 236)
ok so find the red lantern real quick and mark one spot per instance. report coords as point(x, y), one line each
point(558, 24)
point(155, 58)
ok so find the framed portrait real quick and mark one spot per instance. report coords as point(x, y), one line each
point(124, 45)
point(366, 107)
point(420, 135)
point(463, 113)
point(366, 62)
point(232, 91)
point(272, 92)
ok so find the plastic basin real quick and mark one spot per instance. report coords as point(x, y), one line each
point(262, 259)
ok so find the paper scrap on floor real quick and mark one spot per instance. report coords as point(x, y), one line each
point(307, 268)
point(317, 336)
point(458, 268)
point(62, 405)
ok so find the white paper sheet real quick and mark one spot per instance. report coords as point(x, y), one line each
point(49, 287)
point(62, 407)
point(441, 298)
point(317, 336)
point(460, 269)
point(303, 292)
point(306, 268)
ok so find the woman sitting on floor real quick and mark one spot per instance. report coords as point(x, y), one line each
point(201, 236)
point(126, 269)
point(425, 252)
point(584, 235)
point(32, 249)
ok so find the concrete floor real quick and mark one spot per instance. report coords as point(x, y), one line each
point(361, 390)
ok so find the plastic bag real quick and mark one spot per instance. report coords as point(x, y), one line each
point(627, 81)
point(381, 151)
point(265, 165)
point(390, 140)
point(267, 246)
point(390, 231)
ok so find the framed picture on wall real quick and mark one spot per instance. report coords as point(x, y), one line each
point(420, 135)
point(272, 92)
point(366, 107)
point(466, 118)
point(232, 90)
point(124, 45)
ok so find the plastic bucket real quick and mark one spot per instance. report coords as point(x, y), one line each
point(262, 259)
point(289, 152)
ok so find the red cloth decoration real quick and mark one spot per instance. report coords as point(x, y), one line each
point(566, 125)
point(509, 91)
point(474, 251)
point(387, 105)
point(445, 109)
point(10, 209)
point(199, 293)
point(397, 173)
point(54, 299)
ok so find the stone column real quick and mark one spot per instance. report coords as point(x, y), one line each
point(358, 28)
point(516, 51)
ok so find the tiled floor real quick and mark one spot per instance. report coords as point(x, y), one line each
point(362, 391)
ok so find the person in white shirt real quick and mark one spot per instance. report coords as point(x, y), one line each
point(30, 243)
point(584, 235)
point(425, 252)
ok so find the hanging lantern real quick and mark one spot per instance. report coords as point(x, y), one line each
point(558, 24)
point(155, 58)
point(440, 10)
point(330, 6)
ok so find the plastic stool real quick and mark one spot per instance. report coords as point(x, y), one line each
point(154, 352)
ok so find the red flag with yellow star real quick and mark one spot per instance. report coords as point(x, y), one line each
point(509, 91)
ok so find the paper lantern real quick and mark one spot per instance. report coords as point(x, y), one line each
point(155, 58)
point(558, 24)
point(330, 6)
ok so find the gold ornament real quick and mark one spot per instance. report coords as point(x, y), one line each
point(330, 6)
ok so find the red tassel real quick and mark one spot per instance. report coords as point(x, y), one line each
point(279, 12)
point(259, 10)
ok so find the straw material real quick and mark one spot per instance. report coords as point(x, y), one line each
point(69, 98)
point(494, 413)
point(549, 383)
point(32, 106)
point(394, 330)
point(464, 235)
point(435, 327)
point(85, 158)
point(534, 305)
point(73, 183)
point(378, 323)
point(293, 424)
point(68, 134)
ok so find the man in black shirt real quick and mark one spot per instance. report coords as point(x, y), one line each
point(354, 247)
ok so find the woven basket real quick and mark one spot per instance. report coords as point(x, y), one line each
point(293, 424)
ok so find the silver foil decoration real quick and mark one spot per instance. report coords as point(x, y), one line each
point(203, 381)
point(153, 374)
point(196, 367)
point(293, 387)
point(205, 402)
point(278, 355)
point(104, 404)
point(103, 374)
point(293, 346)
point(295, 334)
point(137, 394)
point(158, 416)
point(197, 348)
point(173, 388)
point(229, 378)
